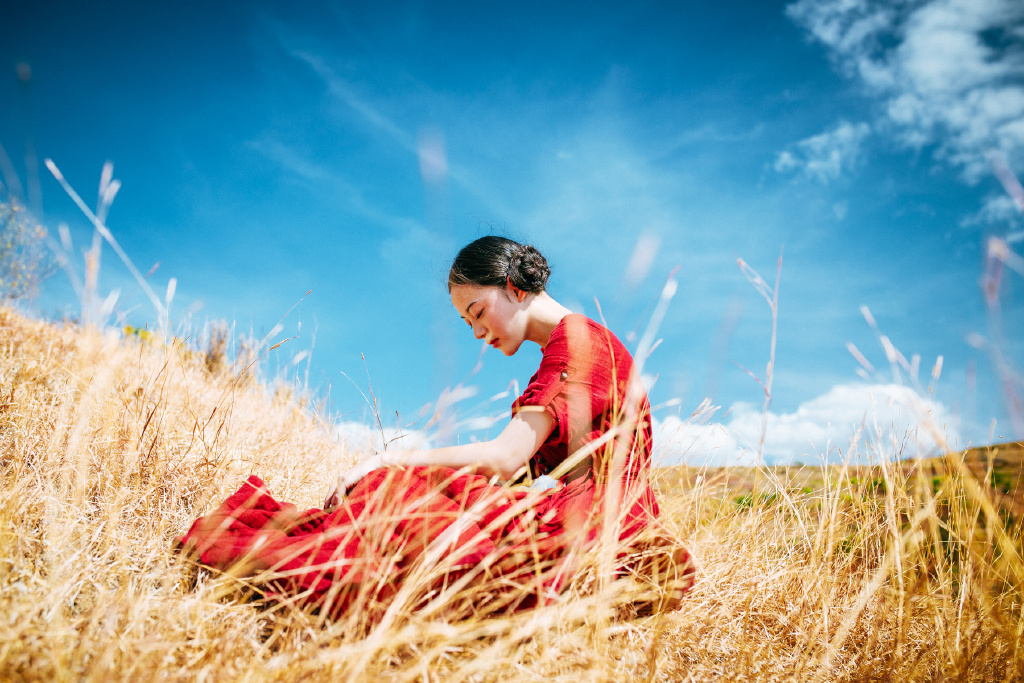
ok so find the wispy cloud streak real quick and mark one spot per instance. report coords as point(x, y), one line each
point(825, 156)
point(342, 91)
point(850, 422)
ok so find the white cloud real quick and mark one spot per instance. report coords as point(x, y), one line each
point(361, 438)
point(999, 209)
point(446, 424)
point(861, 422)
point(683, 441)
point(949, 72)
point(825, 156)
point(851, 422)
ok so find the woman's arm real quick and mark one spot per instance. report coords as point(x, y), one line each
point(503, 455)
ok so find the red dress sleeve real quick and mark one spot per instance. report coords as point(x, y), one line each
point(581, 382)
point(545, 389)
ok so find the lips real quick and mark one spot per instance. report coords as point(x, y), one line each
point(494, 343)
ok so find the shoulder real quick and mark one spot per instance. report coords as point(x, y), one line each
point(575, 327)
point(576, 334)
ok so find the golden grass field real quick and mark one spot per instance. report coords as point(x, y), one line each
point(111, 447)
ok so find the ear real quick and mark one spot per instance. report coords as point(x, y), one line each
point(516, 292)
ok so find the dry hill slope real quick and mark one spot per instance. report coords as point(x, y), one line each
point(110, 447)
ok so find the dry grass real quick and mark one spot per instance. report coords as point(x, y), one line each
point(110, 448)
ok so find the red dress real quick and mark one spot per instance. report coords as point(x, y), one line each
point(440, 525)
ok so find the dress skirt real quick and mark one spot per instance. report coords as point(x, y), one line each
point(432, 527)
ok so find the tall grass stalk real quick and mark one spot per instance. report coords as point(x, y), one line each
point(999, 256)
point(108, 189)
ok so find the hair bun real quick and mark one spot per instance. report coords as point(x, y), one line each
point(493, 261)
point(528, 269)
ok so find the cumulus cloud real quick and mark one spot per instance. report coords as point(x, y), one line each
point(949, 73)
point(855, 422)
point(359, 437)
point(689, 442)
point(825, 156)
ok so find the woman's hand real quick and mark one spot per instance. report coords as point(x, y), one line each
point(350, 477)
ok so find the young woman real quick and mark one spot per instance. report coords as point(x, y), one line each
point(583, 419)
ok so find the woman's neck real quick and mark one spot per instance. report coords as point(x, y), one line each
point(545, 314)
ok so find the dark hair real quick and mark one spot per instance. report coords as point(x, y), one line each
point(493, 261)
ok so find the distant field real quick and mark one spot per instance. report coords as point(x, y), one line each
point(1001, 466)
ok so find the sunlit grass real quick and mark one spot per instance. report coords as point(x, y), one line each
point(111, 448)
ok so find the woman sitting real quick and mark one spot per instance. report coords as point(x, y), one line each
point(423, 524)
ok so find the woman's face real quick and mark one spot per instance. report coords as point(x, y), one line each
point(497, 315)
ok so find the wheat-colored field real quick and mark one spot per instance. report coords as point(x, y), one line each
point(110, 447)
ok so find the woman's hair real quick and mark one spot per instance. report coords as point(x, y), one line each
point(493, 261)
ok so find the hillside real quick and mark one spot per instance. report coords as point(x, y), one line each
point(1001, 466)
point(110, 447)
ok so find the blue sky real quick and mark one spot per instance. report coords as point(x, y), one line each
point(349, 149)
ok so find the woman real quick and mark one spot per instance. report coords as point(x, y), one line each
point(438, 515)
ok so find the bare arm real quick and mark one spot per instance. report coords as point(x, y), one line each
point(503, 455)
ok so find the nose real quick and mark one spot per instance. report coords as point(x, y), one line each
point(478, 331)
